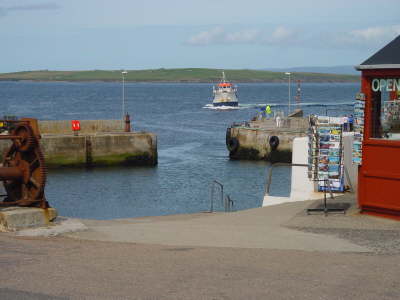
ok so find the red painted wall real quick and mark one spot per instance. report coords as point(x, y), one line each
point(379, 174)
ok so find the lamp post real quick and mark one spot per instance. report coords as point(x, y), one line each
point(288, 73)
point(123, 93)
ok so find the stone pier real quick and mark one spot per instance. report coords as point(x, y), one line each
point(98, 143)
point(263, 140)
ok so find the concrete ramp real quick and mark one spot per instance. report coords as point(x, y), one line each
point(255, 228)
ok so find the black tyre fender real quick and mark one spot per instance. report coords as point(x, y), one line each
point(232, 144)
point(228, 135)
point(273, 142)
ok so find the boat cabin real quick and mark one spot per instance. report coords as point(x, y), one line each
point(225, 84)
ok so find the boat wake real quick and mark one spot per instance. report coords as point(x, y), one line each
point(262, 105)
point(347, 103)
point(210, 106)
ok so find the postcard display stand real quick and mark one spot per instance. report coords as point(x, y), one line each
point(325, 159)
point(359, 106)
point(326, 153)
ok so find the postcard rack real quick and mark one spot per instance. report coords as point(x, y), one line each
point(359, 107)
point(325, 159)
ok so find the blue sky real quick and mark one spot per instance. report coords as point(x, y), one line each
point(118, 34)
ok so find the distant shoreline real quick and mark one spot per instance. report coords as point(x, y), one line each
point(188, 75)
point(208, 82)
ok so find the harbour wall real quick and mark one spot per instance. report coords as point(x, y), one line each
point(99, 143)
point(87, 126)
point(263, 140)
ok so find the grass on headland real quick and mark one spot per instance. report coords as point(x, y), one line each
point(176, 75)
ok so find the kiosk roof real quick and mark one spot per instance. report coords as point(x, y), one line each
point(386, 58)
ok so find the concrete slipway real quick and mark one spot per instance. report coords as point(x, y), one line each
point(256, 228)
point(284, 226)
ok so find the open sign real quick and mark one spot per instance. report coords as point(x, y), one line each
point(390, 84)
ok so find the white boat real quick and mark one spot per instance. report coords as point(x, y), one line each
point(225, 93)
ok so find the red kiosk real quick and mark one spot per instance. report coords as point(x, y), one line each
point(379, 172)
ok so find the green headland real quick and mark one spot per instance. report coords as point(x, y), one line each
point(176, 75)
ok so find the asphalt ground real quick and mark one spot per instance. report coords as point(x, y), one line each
point(63, 268)
point(116, 260)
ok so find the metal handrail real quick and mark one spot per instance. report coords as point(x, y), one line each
point(212, 194)
point(226, 201)
point(269, 178)
point(338, 109)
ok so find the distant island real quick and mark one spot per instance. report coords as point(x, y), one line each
point(343, 69)
point(176, 75)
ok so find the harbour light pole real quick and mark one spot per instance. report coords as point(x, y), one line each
point(288, 73)
point(123, 93)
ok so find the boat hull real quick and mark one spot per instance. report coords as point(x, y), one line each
point(231, 103)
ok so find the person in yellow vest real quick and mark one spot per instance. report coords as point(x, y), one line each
point(268, 111)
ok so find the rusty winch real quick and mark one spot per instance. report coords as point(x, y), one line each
point(23, 171)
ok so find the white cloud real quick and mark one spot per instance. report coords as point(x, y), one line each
point(243, 36)
point(219, 35)
point(375, 34)
point(207, 37)
point(361, 38)
point(282, 36)
point(354, 39)
point(32, 7)
point(281, 33)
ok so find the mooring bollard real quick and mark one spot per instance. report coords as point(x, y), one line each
point(127, 123)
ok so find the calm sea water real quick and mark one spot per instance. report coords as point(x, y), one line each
point(191, 143)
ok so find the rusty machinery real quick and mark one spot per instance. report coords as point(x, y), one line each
point(23, 171)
